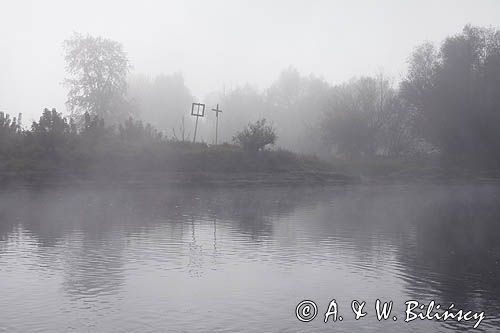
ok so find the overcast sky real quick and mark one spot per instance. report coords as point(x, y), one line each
point(216, 43)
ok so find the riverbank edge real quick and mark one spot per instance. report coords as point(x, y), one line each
point(206, 179)
point(248, 179)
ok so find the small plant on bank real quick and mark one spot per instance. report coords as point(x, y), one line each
point(256, 136)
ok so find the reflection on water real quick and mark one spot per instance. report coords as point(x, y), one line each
point(151, 260)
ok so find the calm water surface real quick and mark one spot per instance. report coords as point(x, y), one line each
point(230, 260)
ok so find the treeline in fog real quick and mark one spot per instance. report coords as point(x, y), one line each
point(446, 107)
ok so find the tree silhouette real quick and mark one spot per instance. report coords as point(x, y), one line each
point(453, 91)
point(97, 69)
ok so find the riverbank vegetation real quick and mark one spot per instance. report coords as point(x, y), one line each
point(443, 117)
point(55, 146)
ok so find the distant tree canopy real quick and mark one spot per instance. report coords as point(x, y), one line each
point(10, 133)
point(97, 70)
point(8, 126)
point(296, 104)
point(163, 100)
point(243, 104)
point(51, 133)
point(454, 92)
point(293, 102)
point(366, 118)
point(256, 136)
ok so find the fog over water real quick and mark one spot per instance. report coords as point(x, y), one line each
point(222, 44)
point(125, 260)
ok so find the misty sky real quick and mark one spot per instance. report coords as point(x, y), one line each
point(222, 43)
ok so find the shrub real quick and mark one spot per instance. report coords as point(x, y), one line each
point(256, 136)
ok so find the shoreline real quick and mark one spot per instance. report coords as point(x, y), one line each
point(235, 179)
point(204, 179)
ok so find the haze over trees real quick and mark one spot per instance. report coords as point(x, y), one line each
point(293, 103)
point(447, 104)
point(97, 68)
point(454, 93)
point(446, 108)
point(162, 100)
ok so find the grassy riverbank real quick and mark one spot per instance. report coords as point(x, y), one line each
point(174, 163)
point(421, 168)
point(55, 149)
point(188, 164)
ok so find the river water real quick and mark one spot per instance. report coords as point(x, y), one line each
point(241, 259)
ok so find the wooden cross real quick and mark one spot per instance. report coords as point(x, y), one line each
point(216, 110)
